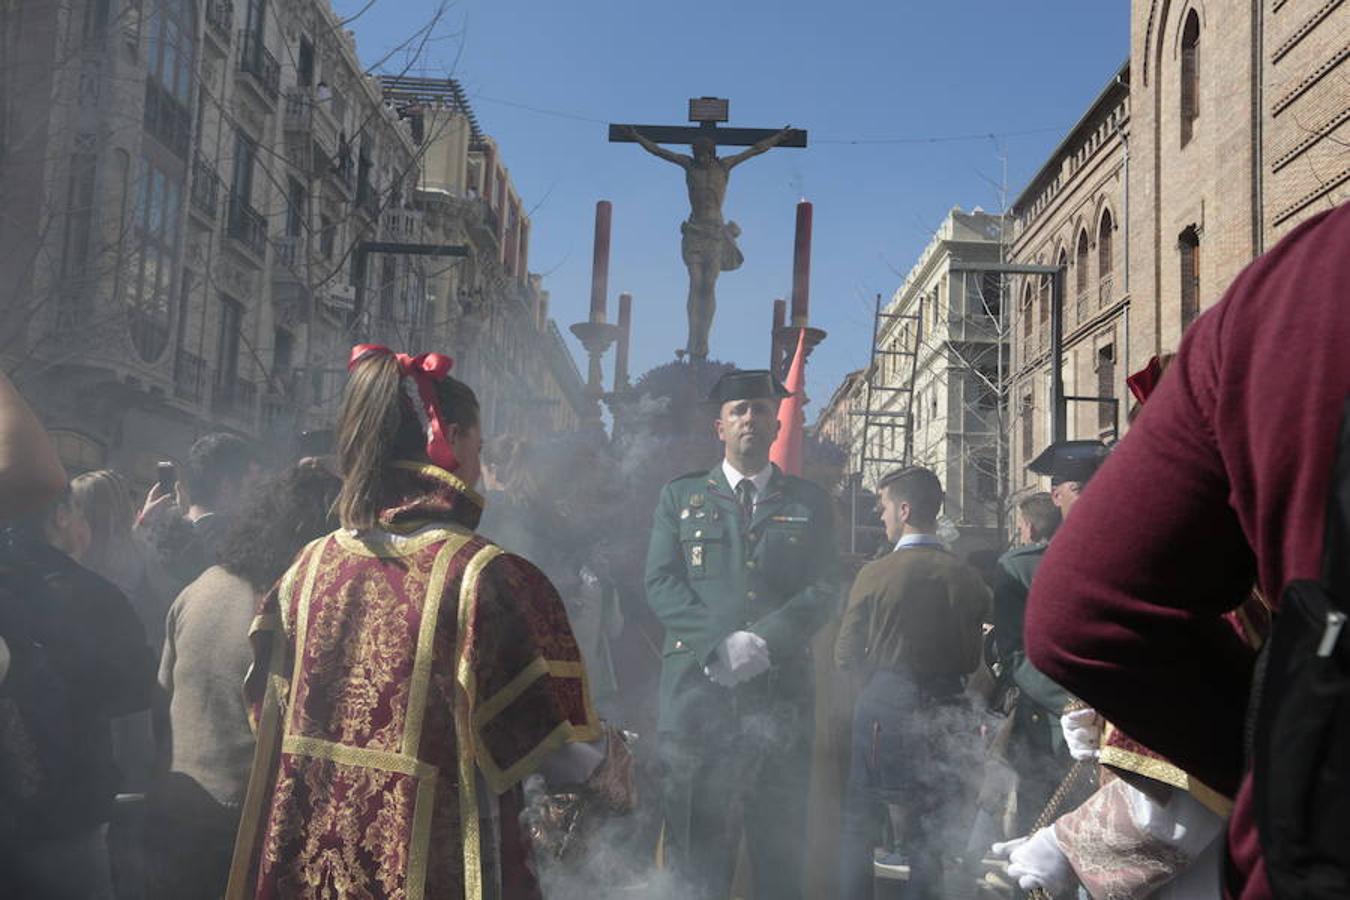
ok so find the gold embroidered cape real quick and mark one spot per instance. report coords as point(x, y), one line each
point(388, 668)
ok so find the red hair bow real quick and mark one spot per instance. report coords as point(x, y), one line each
point(425, 369)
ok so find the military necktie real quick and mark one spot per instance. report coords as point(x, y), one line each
point(746, 492)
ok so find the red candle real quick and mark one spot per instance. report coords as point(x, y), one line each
point(801, 268)
point(600, 262)
point(625, 332)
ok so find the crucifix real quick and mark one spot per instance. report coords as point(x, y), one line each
point(708, 243)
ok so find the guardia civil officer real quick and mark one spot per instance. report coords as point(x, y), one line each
point(1036, 748)
point(741, 571)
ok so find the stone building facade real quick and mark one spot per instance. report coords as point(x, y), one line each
point(487, 309)
point(837, 422)
point(952, 412)
point(1073, 214)
point(185, 184)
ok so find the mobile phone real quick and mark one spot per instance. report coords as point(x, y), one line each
point(168, 477)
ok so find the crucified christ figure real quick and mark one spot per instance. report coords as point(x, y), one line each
point(708, 244)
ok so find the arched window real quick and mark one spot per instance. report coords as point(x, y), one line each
point(1043, 308)
point(1080, 265)
point(155, 232)
point(1190, 75)
point(1105, 261)
point(1188, 245)
point(1026, 317)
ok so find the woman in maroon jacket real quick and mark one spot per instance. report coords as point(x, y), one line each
point(1223, 479)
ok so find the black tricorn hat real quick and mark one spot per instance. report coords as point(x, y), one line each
point(747, 384)
point(1070, 461)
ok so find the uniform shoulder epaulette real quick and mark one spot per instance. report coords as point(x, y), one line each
point(697, 473)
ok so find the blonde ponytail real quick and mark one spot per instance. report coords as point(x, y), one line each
point(377, 427)
point(367, 432)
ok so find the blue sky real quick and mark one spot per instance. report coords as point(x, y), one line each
point(893, 72)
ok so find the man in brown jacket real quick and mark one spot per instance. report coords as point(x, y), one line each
point(911, 632)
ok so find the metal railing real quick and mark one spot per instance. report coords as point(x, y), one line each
point(167, 118)
point(235, 395)
point(247, 226)
point(297, 111)
point(189, 376)
point(257, 61)
point(205, 188)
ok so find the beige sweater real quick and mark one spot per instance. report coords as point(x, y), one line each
point(206, 655)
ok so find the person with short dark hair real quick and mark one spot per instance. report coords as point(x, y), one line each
point(911, 632)
point(187, 527)
point(207, 739)
point(220, 470)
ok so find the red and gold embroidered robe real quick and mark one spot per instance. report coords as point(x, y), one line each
point(1112, 855)
point(389, 667)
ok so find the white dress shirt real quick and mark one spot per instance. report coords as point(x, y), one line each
point(760, 479)
point(920, 540)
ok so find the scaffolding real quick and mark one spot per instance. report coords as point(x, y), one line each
point(887, 407)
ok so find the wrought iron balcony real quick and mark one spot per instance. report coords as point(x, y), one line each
point(205, 188)
point(256, 61)
point(167, 118)
point(189, 376)
point(247, 226)
point(236, 396)
point(220, 20)
point(298, 111)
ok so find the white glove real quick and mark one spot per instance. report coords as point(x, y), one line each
point(740, 657)
point(1083, 733)
point(1038, 862)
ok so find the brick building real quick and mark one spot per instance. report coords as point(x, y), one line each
point(1228, 126)
point(1072, 213)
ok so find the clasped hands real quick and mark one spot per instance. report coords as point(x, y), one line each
point(742, 656)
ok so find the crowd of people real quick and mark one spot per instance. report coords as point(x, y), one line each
point(355, 675)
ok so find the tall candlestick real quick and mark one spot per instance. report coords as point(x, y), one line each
point(779, 320)
point(621, 350)
point(600, 262)
point(801, 268)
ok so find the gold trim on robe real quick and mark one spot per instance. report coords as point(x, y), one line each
point(358, 691)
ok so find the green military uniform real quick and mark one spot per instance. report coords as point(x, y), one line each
point(743, 750)
point(1036, 748)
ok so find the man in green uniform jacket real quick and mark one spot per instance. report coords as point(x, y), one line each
point(1036, 747)
point(741, 571)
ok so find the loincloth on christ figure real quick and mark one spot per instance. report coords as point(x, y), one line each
point(717, 243)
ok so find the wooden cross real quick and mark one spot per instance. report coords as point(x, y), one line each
point(707, 112)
